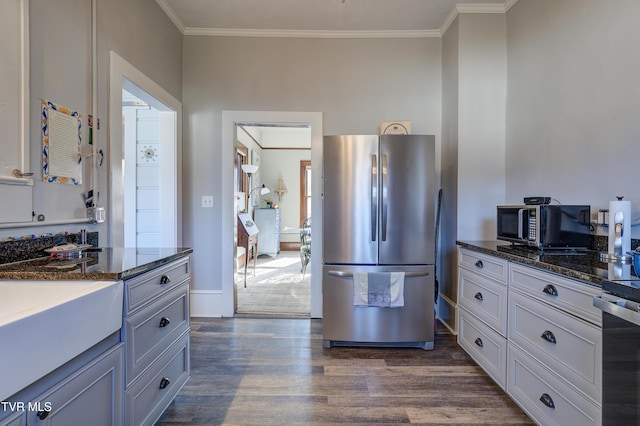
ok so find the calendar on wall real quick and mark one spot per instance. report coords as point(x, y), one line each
point(61, 140)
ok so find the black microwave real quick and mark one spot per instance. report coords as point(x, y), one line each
point(545, 226)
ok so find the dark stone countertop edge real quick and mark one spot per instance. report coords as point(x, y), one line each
point(95, 276)
point(485, 247)
point(130, 273)
point(59, 276)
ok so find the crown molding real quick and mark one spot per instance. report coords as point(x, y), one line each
point(474, 8)
point(233, 32)
point(172, 15)
point(508, 4)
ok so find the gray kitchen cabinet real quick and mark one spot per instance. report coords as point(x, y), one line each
point(87, 390)
point(268, 222)
point(155, 333)
point(91, 396)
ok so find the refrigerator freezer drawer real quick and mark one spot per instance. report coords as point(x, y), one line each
point(347, 325)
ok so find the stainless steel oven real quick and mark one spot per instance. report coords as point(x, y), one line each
point(620, 359)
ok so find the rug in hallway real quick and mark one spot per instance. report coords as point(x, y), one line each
point(277, 288)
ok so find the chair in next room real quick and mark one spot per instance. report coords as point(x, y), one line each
point(305, 244)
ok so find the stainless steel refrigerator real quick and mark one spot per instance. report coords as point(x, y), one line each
point(378, 216)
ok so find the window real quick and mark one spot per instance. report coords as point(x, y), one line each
point(305, 190)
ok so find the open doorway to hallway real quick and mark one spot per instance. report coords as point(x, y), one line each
point(275, 194)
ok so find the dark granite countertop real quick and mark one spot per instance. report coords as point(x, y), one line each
point(583, 265)
point(102, 264)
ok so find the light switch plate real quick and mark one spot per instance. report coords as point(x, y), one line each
point(207, 201)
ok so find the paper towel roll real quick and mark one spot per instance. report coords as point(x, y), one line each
point(616, 210)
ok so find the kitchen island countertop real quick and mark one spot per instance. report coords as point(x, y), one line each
point(109, 263)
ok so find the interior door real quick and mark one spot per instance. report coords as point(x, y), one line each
point(350, 193)
point(407, 181)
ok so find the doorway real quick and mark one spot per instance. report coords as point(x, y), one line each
point(145, 151)
point(273, 282)
point(225, 298)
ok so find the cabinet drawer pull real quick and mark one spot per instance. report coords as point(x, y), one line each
point(550, 290)
point(164, 382)
point(479, 342)
point(478, 296)
point(165, 279)
point(164, 322)
point(42, 414)
point(548, 336)
point(479, 264)
point(547, 400)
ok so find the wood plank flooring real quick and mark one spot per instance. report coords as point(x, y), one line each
point(248, 371)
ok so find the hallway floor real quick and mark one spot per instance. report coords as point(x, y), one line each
point(278, 287)
point(248, 371)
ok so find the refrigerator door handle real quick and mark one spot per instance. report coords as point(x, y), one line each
point(343, 274)
point(374, 196)
point(384, 197)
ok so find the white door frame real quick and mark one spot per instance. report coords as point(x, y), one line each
point(229, 120)
point(125, 76)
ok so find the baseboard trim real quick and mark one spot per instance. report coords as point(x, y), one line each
point(208, 303)
point(289, 246)
point(448, 313)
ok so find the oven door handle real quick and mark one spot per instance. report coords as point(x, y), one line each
point(618, 307)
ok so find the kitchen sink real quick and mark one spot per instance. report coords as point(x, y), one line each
point(44, 324)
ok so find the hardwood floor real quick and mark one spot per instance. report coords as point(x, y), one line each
point(248, 371)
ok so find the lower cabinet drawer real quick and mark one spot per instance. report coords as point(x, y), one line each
point(570, 347)
point(150, 331)
point(489, 266)
point(484, 298)
point(484, 345)
point(91, 396)
point(547, 399)
point(148, 397)
point(141, 289)
point(563, 293)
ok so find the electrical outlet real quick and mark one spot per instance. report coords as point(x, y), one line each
point(207, 201)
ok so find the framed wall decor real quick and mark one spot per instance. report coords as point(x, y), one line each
point(61, 140)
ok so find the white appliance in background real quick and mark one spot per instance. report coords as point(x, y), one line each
point(378, 213)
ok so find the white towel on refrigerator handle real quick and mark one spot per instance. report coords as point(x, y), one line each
point(379, 289)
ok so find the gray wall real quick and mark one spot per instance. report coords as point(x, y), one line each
point(573, 123)
point(447, 269)
point(355, 83)
point(60, 52)
point(473, 141)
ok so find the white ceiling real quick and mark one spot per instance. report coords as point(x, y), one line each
point(323, 18)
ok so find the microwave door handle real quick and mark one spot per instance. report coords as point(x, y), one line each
point(374, 196)
point(520, 230)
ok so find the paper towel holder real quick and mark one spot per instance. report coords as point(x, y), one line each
point(618, 256)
